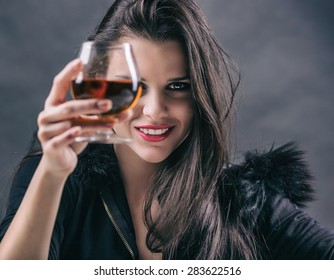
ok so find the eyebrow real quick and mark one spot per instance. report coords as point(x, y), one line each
point(170, 80)
point(179, 79)
point(173, 79)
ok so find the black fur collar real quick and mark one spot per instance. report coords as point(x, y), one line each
point(280, 170)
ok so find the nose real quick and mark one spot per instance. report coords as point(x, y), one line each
point(154, 104)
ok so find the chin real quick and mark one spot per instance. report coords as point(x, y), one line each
point(153, 157)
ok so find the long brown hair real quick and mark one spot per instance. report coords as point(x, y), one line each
point(198, 216)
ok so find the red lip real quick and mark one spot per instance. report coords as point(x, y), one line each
point(154, 138)
point(150, 126)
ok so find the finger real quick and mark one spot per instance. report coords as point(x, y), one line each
point(64, 139)
point(73, 109)
point(46, 132)
point(61, 83)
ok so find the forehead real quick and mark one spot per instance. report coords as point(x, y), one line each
point(158, 57)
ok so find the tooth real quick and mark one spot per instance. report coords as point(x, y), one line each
point(154, 131)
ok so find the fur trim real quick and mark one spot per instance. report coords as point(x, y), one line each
point(282, 171)
point(278, 171)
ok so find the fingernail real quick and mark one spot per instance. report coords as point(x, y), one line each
point(77, 63)
point(75, 131)
point(104, 104)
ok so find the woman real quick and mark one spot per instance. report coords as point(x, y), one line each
point(170, 193)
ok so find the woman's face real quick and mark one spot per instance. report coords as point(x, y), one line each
point(162, 118)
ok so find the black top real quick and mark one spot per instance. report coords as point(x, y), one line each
point(94, 220)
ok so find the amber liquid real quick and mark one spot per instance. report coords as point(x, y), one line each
point(119, 92)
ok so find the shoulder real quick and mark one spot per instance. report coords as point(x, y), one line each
point(97, 160)
point(27, 166)
point(280, 171)
point(23, 175)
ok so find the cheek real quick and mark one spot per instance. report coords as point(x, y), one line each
point(122, 129)
point(188, 118)
point(186, 114)
point(186, 121)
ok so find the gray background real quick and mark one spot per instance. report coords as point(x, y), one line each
point(284, 49)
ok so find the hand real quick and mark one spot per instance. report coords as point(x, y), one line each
point(57, 128)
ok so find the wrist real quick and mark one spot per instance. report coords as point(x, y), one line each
point(55, 175)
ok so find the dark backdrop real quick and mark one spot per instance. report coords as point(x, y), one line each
point(284, 49)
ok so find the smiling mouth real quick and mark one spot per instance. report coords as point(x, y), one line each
point(154, 132)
